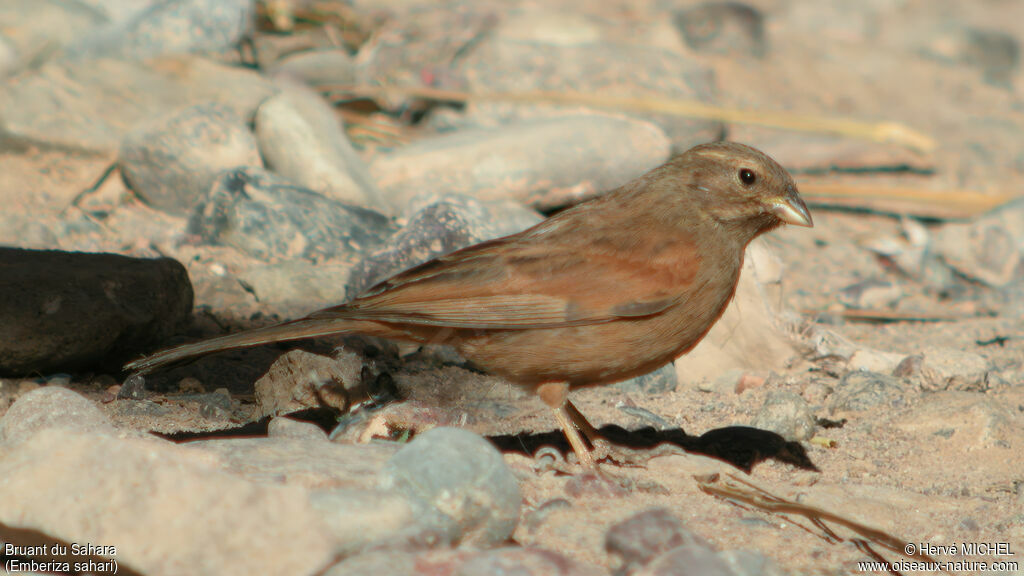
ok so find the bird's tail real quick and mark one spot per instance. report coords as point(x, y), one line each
point(294, 330)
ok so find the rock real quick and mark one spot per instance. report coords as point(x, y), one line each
point(69, 311)
point(952, 369)
point(33, 28)
point(282, 427)
point(295, 288)
point(871, 294)
point(988, 249)
point(752, 333)
point(217, 405)
point(524, 561)
point(612, 70)
point(447, 224)
point(315, 68)
point(365, 519)
point(869, 360)
point(521, 561)
point(750, 563)
point(865, 391)
point(972, 421)
point(660, 381)
point(690, 558)
point(549, 25)
point(727, 28)
point(18, 231)
point(787, 414)
point(638, 539)
point(300, 380)
point(423, 48)
point(994, 52)
point(544, 163)
point(910, 252)
point(90, 105)
point(158, 506)
point(169, 27)
point(9, 59)
point(825, 343)
point(172, 163)
point(302, 139)
point(268, 218)
point(51, 407)
point(117, 10)
point(459, 479)
point(311, 464)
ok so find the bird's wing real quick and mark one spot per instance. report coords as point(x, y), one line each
point(514, 283)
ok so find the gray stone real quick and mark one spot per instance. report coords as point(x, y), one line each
point(299, 380)
point(787, 414)
point(994, 52)
point(523, 561)
point(870, 360)
point(973, 421)
point(325, 67)
point(69, 311)
point(726, 28)
point(90, 105)
point(302, 139)
point(750, 563)
point(461, 480)
point(871, 294)
point(294, 288)
point(269, 218)
point(609, 69)
point(953, 369)
point(690, 559)
point(518, 561)
point(859, 391)
point(171, 163)
point(36, 28)
point(641, 537)
point(161, 505)
point(448, 224)
point(364, 519)
point(18, 230)
point(51, 407)
point(305, 463)
point(118, 10)
point(544, 163)
point(169, 27)
point(987, 249)
point(664, 379)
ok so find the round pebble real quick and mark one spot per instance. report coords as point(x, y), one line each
point(463, 479)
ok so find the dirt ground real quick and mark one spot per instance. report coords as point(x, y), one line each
point(918, 469)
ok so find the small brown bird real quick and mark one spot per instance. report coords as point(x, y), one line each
point(609, 289)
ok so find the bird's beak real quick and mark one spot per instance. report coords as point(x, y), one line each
point(791, 210)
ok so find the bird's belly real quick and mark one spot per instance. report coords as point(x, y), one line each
point(591, 354)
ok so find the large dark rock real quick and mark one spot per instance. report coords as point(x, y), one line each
point(70, 311)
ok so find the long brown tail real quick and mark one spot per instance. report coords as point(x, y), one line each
point(295, 330)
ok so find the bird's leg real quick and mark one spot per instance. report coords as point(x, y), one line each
point(556, 396)
point(604, 448)
point(583, 424)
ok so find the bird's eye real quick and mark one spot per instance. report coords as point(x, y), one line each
point(747, 176)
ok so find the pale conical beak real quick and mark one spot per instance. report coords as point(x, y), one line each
point(792, 210)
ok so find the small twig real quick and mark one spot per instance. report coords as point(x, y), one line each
point(886, 315)
point(920, 202)
point(761, 498)
point(877, 132)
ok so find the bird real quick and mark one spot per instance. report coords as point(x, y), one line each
point(608, 289)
